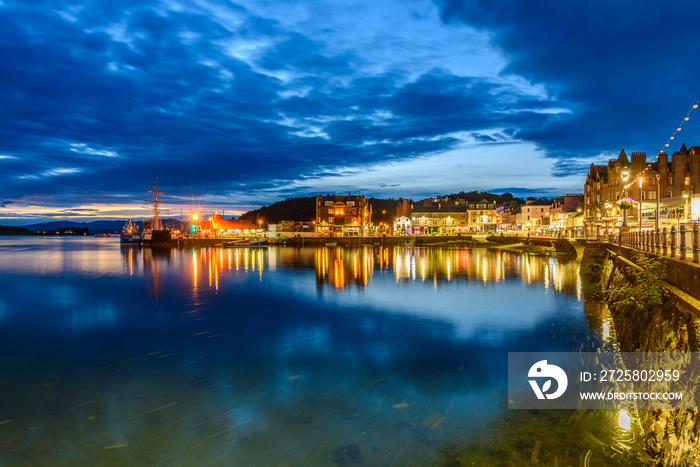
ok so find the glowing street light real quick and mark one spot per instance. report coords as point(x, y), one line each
point(625, 176)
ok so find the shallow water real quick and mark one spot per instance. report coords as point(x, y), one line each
point(287, 356)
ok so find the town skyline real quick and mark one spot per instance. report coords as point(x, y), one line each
point(237, 105)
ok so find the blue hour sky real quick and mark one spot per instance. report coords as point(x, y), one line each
point(233, 105)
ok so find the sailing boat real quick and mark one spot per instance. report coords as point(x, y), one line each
point(154, 235)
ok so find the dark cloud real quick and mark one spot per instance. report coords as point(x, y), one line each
point(100, 100)
point(625, 69)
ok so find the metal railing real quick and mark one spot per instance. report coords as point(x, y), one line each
point(681, 243)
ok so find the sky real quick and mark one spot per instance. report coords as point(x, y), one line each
point(232, 105)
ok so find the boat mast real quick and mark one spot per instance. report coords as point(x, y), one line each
point(156, 218)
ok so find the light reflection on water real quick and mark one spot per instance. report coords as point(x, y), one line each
point(295, 356)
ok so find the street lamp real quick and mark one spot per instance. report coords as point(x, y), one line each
point(625, 176)
point(639, 225)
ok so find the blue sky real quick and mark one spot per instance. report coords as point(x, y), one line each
point(233, 105)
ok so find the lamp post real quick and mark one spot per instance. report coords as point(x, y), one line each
point(658, 195)
point(639, 225)
point(625, 176)
point(686, 196)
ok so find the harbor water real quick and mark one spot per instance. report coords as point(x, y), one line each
point(324, 356)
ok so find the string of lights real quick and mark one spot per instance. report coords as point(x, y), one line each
point(668, 142)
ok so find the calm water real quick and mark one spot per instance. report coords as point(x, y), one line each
point(286, 356)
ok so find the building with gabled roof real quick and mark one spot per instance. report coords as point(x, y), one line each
point(671, 188)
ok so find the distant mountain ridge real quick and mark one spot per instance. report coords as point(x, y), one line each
point(94, 226)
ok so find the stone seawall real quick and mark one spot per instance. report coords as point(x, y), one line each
point(670, 436)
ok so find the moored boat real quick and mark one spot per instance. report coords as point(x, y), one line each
point(247, 244)
point(131, 235)
point(153, 233)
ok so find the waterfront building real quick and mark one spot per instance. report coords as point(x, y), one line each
point(403, 226)
point(291, 229)
point(482, 216)
point(217, 226)
point(343, 216)
point(506, 215)
point(534, 216)
point(443, 216)
point(565, 214)
point(669, 188)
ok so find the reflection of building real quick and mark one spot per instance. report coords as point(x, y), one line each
point(341, 267)
point(342, 216)
point(675, 185)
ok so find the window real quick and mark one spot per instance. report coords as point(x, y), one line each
point(652, 195)
point(329, 203)
point(687, 180)
point(644, 195)
point(670, 182)
point(331, 211)
point(670, 193)
point(350, 203)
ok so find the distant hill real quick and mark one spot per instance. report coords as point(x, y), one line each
point(13, 230)
point(291, 209)
point(476, 196)
point(95, 226)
